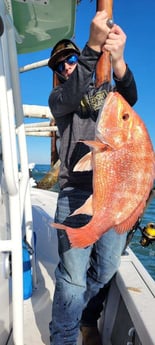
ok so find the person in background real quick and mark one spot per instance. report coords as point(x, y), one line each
point(82, 275)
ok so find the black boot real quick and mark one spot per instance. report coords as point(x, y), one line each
point(90, 336)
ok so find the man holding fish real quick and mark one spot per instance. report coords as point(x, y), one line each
point(83, 271)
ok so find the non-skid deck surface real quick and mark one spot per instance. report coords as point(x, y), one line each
point(37, 310)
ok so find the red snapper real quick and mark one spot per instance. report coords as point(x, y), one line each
point(123, 164)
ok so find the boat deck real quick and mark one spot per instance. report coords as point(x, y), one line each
point(133, 291)
point(37, 310)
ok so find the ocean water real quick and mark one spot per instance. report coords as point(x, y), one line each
point(40, 170)
point(145, 254)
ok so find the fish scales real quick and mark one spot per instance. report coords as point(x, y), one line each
point(123, 164)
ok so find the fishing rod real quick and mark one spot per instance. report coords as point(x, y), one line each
point(103, 68)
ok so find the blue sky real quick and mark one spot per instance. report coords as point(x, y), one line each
point(137, 20)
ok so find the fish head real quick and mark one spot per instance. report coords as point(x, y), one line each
point(117, 122)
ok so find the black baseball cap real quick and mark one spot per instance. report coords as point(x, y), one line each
point(62, 47)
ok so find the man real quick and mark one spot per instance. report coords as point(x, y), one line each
point(82, 273)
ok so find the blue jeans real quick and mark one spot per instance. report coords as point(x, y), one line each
point(81, 273)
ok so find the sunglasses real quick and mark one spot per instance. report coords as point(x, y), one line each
point(71, 60)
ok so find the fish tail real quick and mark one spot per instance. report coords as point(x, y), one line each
point(78, 237)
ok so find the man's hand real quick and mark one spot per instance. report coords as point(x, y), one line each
point(115, 44)
point(99, 31)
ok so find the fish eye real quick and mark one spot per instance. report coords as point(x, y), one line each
point(125, 116)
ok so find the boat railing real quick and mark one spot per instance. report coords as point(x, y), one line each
point(14, 153)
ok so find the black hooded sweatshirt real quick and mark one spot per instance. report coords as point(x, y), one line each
point(75, 104)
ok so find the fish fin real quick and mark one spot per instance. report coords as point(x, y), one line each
point(95, 144)
point(85, 163)
point(128, 223)
point(78, 237)
point(59, 226)
point(86, 208)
